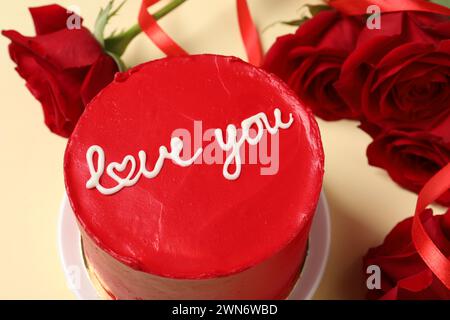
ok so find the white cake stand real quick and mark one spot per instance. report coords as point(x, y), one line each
point(79, 282)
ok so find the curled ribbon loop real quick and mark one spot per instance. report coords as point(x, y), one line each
point(249, 33)
point(166, 44)
point(438, 263)
point(156, 34)
point(359, 7)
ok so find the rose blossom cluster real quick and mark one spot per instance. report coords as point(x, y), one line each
point(395, 80)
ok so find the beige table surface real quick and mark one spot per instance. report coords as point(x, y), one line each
point(365, 204)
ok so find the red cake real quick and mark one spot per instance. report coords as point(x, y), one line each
point(161, 174)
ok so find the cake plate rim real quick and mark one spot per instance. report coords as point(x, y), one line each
point(80, 284)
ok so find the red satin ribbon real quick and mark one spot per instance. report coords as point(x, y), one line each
point(430, 253)
point(163, 41)
point(156, 34)
point(249, 33)
point(359, 7)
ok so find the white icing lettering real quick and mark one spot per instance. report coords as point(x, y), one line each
point(230, 143)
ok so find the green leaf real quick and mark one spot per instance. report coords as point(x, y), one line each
point(117, 42)
point(445, 3)
point(313, 10)
point(102, 20)
point(118, 60)
point(295, 22)
point(116, 11)
point(316, 8)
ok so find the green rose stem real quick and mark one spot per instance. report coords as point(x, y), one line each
point(118, 44)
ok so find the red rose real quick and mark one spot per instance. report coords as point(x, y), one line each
point(64, 69)
point(399, 75)
point(310, 61)
point(404, 275)
point(411, 157)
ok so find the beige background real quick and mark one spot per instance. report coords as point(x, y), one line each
point(364, 202)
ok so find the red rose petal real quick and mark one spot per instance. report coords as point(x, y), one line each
point(68, 55)
point(48, 19)
point(99, 76)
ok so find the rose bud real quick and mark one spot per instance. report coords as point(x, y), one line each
point(63, 68)
point(411, 158)
point(404, 274)
point(310, 61)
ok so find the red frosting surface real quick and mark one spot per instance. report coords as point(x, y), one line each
point(191, 222)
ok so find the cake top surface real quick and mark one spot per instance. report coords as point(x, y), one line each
point(151, 183)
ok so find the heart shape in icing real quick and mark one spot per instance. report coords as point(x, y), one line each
point(121, 167)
